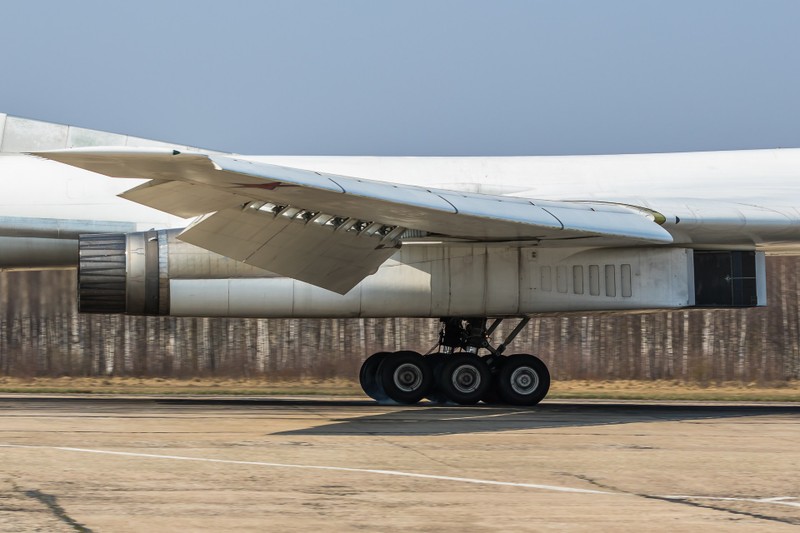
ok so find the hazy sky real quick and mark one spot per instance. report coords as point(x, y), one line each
point(411, 77)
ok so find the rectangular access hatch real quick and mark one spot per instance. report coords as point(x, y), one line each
point(727, 279)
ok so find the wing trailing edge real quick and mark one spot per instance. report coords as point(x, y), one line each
point(331, 230)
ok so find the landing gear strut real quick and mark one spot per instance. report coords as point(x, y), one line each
point(456, 373)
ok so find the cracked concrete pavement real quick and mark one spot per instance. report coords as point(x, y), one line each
point(87, 464)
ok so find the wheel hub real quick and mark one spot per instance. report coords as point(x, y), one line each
point(524, 380)
point(408, 377)
point(466, 379)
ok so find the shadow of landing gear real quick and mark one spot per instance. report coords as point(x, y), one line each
point(445, 420)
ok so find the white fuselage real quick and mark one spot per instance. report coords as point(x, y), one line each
point(699, 194)
point(732, 202)
point(760, 189)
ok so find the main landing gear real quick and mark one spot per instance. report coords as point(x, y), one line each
point(456, 373)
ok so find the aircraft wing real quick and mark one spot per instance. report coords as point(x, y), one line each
point(332, 231)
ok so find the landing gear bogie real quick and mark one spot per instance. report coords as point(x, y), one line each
point(456, 374)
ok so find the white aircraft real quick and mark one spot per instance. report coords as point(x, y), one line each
point(160, 229)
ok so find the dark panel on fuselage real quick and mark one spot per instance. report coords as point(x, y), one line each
point(725, 279)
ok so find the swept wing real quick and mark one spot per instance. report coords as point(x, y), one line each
point(331, 230)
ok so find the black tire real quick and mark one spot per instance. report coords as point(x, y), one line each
point(492, 396)
point(436, 360)
point(368, 376)
point(406, 377)
point(523, 380)
point(464, 378)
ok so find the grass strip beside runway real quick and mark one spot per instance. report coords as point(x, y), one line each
point(573, 389)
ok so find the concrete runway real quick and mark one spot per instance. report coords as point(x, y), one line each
point(73, 464)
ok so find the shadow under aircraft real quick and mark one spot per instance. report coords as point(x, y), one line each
point(444, 420)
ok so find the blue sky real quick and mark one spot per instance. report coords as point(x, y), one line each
point(411, 77)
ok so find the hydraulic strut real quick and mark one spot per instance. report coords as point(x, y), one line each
point(471, 335)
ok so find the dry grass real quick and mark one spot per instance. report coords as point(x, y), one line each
point(633, 390)
point(206, 386)
point(676, 390)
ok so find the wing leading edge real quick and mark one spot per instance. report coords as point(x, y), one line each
point(330, 230)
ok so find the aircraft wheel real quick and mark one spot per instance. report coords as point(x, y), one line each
point(464, 378)
point(436, 360)
point(492, 395)
point(523, 380)
point(406, 377)
point(368, 377)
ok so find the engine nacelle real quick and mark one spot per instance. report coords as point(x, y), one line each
point(153, 273)
point(130, 273)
